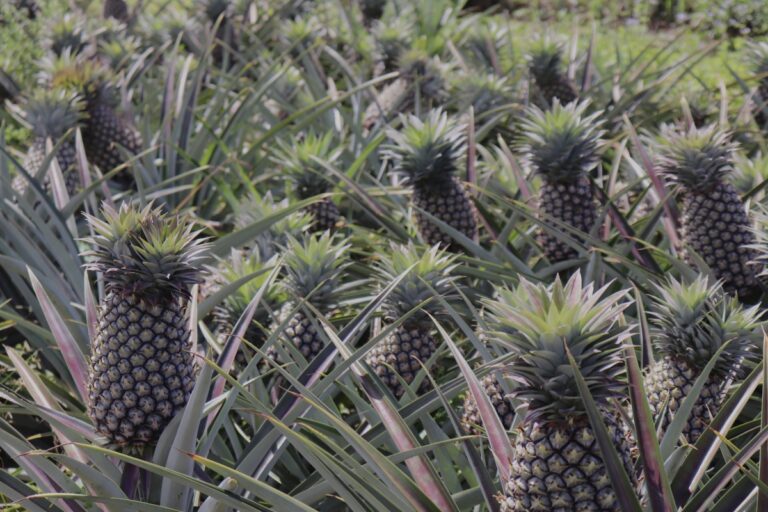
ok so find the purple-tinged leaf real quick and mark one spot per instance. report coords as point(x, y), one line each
point(762, 498)
point(522, 183)
point(91, 311)
point(64, 340)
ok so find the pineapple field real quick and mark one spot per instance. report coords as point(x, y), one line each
point(383, 255)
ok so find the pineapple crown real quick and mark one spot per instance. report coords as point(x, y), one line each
point(67, 34)
point(299, 160)
point(417, 67)
point(484, 92)
point(84, 77)
point(545, 61)
point(428, 150)
point(428, 274)
point(537, 322)
point(145, 252)
point(52, 113)
point(314, 266)
point(392, 41)
point(562, 143)
point(697, 159)
point(256, 209)
point(243, 263)
point(692, 321)
point(484, 39)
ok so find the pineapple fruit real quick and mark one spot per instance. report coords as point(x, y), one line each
point(116, 9)
point(690, 323)
point(556, 459)
point(141, 369)
point(399, 357)
point(550, 83)
point(314, 270)
point(52, 116)
point(309, 178)
point(714, 222)
point(471, 420)
point(428, 153)
point(106, 132)
point(562, 145)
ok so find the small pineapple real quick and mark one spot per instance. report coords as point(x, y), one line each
point(757, 55)
point(116, 9)
point(270, 241)
point(66, 36)
point(372, 10)
point(105, 131)
point(556, 459)
point(399, 357)
point(428, 153)
point(549, 80)
point(142, 369)
point(391, 44)
point(299, 162)
point(53, 115)
point(562, 146)
point(691, 322)
point(471, 420)
point(314, 270)
point(714, 224)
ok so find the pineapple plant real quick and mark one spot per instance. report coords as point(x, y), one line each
point(226, 36)
point(556, 459)
point(106, 132)
point(471, 420)
point(550, 82)
point(428, 153)
point(391, 40)
point(271, 241)
point(66, 36)
point(52, 116)
point(690, 323)
point(398, 358)
point(314, 268)
point(562, 145)
point(299, 162)
point(141, 368)
point(714, 222)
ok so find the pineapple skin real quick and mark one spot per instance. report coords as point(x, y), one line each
point(449, 202)
point(401, 354)
point(141, 370)
point(66, 158)
point(104, 132)
point(325, 215)
point(559, 468)
point(571, 203)
point(471, 420)
point(716, 226)
point(669, 382)
point(561, 88)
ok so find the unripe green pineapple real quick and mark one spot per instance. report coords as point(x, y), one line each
point(398, 358)
point(691, 322)
point(549, 80)
point(557, 463)
point(428, 153)
point(106, 132)
point(314, 270)
point(421, 83)
point(562, 146)
point(471, 420)
point(142, 368)
point(299, 162)
point(714, 222)
point(52, 116)
point(757, 54)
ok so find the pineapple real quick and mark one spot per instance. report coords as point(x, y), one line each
point(30, 7)
point(270, 241)
point(52, 115)
point(691, 322)
point(299, 162)
point(106, 131)
point(372, 10)
point(66, 36)
point(758, 60)
point(549, 80)
point(556, 459)
point(399, 357)
point(116, 9)
point(714, 223)
point(471, 420)
point(428, 153)
point(141, 369)
point(391, 44)
point(314, 269)
point(562, 145)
